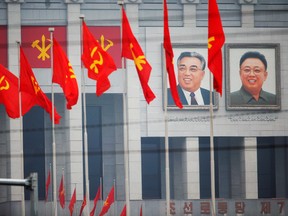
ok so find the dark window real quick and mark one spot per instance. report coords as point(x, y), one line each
point(94, 148)
point(205, 172)
point(34, 148)
point(266, 167)
point(151, 172)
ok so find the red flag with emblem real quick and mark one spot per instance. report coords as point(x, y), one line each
point(97, 61)
point(64, 75)
point(97, 196)
point(216, 39)
point(48, 181)
point(29, 85)
point(169, 55)
point(132, 50)
point(9, 94)
point(61, 193)
point(83, 205)
point(108, 202)
point(72, 202)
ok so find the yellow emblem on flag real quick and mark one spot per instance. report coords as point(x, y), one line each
point(43, 48)
point(96, 62)
point(4, 86)
point(138, 60)
point(35, 85)
point(210, 40)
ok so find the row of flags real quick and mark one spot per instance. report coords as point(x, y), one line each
point(106, 205)
point(100, 65)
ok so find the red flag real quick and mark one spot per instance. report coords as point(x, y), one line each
point(132, 50)
point(61, 194)
point(108, 202)
point(123, 213)
point(72, 202)
point(83, 205)
point(97, 196)
point(216, 39)
point(9, 94)
point(64, 75)
point(29, 85)
point(169, 59)
point(48, 181)
point(97, 61)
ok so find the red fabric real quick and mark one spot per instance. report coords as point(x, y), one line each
point(48, 182)
point(72, 202)
point(61, 194)
point(216, 39)
point(83, 205)
point(29, 86)
point(97, 61)
point(97, 197)
point(169, 59)
point(123, 212)
point(141, 211)
point(64, 75)
point(108, 202)
point(132, 50)
point(9, 94)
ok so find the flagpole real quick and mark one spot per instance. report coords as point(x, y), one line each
point(115, 207)
point(51, 30)
point(85, 128)
point(63, 213)
point(212, 162)
point(167, 169)
point(125, 129)
point(21, 133)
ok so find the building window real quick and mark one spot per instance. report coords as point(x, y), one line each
point(151, 170)
point(94, 148)
point(34, 147)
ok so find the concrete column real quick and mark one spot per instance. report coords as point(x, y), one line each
point(133, 98)
point(15, 165)
point(189, 12)
point(250, 168)
point(73, 117)
point(247, 11)
point(191, 168)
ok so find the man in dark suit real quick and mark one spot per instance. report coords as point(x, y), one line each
point(191, 66)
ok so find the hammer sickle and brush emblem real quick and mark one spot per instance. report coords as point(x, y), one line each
point(139, 60)
point(42, 48)
point(96, 62)
point(209, 42)
point(4, 86)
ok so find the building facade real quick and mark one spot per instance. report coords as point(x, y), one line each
point(250, 142)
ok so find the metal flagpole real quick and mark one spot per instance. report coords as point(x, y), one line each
point(21, 134)
point(167, 168)
point(85, 149)
point(212, 162)
point(51, 30)
point(125, 128)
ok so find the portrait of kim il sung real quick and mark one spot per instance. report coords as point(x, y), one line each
point(252, 76)
point(192, 78)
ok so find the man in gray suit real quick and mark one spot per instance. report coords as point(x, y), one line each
point(253, 73)
point(191, 71)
